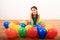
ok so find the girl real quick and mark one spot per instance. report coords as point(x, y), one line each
point(34, 15)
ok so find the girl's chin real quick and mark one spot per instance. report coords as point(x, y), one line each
point(34, 13)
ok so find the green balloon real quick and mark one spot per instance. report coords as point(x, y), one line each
point(22, 32)
point(41, 23)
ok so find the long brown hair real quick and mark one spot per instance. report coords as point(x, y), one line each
point(34, 7)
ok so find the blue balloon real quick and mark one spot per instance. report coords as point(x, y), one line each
point(37, 26)
point(42, 32)
point(22, 24)
point(6, 24)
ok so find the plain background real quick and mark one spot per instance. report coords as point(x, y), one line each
point(20, 9)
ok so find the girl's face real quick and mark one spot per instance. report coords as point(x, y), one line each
point(33, 10)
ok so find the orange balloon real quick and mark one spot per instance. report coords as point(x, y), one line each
point(11, 33)
point(16, 22)
point(27, 22)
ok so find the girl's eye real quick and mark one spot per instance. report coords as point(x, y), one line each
point(33, 10)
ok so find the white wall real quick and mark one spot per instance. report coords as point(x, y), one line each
point(20, 9)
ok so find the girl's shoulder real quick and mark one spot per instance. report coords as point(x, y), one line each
point(31, 14)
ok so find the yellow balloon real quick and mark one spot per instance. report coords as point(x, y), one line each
point(23, 21)
point(17, 27)
point(11, 25)
point(47, 27)
point(28, 26)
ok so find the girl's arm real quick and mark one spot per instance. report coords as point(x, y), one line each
point(38, 18)
point(31, 18)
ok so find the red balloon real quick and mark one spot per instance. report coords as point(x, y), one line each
point(32, 32)
point(42, 25)
point(11, 33)
point(52, 33)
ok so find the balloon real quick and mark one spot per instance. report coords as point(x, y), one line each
point(32, 32)
point(6, 24)
point(28, 26)
point(42, 25)
point(52, 33)
point(47, 27)
point(41, 21)
point(27, 22)
point(24, 21)
point(42, 32)
point(12, 25)
point(37, 26)
point(22, 24)
point(22, 32)
point(16, 22)
point(11, 33)
point(17, 27)
point(30, 23)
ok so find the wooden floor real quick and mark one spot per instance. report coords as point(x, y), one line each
point(54, 23)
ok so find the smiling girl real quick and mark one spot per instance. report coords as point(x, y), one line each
point(34, 15)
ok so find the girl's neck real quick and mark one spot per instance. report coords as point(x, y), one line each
point(34, 13)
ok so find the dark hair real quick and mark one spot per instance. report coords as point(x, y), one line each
point(34, 7)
